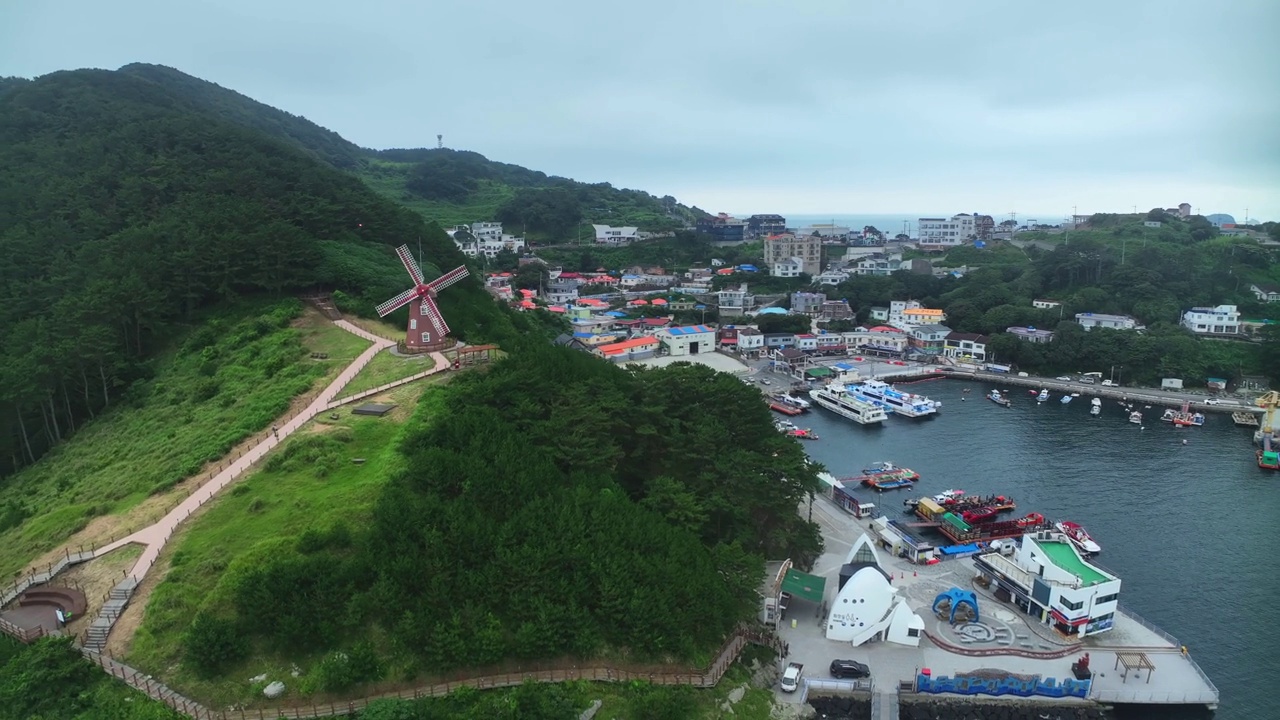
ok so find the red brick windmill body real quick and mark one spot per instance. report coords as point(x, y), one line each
point(427, 330)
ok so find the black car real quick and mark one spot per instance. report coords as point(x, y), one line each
point(849, 669)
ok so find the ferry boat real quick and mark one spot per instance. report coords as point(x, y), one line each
point(1078, 537)
point(1135, 417)
point(839, 400)
point(896, 401)
point(999, 399)
point(1044, 395)
point(1096, 408)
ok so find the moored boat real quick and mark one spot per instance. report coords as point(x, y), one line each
point(1044, 395)
point(1095, 407)
point(996, 397)
point(890, 478)
point(893, 400)
point(1031, 520)
point(793, 401)
point(979, 515)
point(1078, 537)
point(781, 407)
point(1135, 417)
point(884, 466)
point(1065, 399)
point(837, 398)
point(802, 433)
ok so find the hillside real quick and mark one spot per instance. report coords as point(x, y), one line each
point(447, 186)
point(125, 210)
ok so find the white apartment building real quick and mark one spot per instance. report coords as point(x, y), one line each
point(832, 277)
point(606, 235)
point(485, 238)
point(783, 251)
point(1220, 320)
point(1089, 321)
point(936, 233)
point(878, 264)
point(907, 314)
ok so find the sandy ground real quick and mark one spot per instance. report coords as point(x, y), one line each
point(716, 361)
point(95, 579)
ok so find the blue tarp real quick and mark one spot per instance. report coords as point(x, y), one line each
point(959, 549)
point(616, 313)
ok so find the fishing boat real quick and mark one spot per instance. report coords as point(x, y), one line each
point(803, 434)
point(999, 503)
point(892, 400)
point(1078, 537)
point(946, 495)
point(781, 407)
point(785, 426)
point(1189, 420)
point(998, 398)
point(1096, 407)
point(880, 468)
point(1044, 395)
point(1169, 415)
point(1135, 417)
point(837, 398)
point(1268, 459)
point(793, 401)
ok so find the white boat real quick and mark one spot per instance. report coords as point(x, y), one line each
point(946, 495)
point(1065, 399)
point(1078, 537)
point(1044, 395)
point(1169, 415)
point(892, 400)
point(838, 399)
point(1096, 410)
point(1135, 417)
point(785, 426)
point(793, 401)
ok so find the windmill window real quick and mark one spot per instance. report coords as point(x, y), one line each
point(413, 323)
point(422, 309)
point(426, 337)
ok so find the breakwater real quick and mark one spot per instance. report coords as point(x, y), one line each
point(1145, 395)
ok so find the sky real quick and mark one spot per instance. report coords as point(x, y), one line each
point(803, 106)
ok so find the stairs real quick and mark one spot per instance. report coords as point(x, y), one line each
point(117, 600)
point(324, 303)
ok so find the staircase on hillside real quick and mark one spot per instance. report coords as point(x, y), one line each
point(324, 303)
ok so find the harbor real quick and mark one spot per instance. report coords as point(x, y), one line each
point(1061, 463)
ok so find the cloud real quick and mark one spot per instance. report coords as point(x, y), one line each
point(752, 104)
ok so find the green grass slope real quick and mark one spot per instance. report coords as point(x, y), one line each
point(227, 380)
point(127, 207)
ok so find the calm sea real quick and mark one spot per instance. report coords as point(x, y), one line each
point(1188, 528)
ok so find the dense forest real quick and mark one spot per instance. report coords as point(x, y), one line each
point(561, 507)
point(49, 680)
point(125, 210)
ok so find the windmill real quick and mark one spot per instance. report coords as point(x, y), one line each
point(427, 330)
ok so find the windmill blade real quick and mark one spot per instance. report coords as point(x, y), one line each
point(432, 311)
point(397, 302)
point(410, 264)
point(449, 278)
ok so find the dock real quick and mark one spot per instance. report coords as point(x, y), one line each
point(1245, 419)
point(1149, 396)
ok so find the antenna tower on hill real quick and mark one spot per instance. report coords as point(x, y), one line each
point(439, 142)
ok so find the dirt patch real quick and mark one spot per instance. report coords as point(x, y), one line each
point(96, 578)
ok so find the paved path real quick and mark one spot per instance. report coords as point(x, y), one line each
point(155, 536)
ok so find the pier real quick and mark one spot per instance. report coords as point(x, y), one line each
point(1150, 396)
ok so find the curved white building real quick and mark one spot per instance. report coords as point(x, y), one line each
point(868, 608)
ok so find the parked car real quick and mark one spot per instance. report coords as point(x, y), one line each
point(849, 669)
point(791, 677)
point(1212, 401)
point(1063, 378)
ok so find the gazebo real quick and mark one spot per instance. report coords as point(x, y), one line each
point(1135, 661)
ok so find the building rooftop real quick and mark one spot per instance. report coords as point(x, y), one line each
point(1065, 557)
point(689, 330)
point(972, 337)
point(625, 345)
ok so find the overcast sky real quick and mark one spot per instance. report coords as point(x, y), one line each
point(803, 106)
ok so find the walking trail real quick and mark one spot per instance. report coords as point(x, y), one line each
point(155, 536)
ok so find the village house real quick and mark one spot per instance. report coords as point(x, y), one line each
point(880, 313)
point(832, 277)
point(484, 238)
point(629, 350)
point(1089, 321)
point(1266, 293)
point(965, 346)
point(807, 303)
point(606, 235)
point(773, 341)
point(733, 303)
point(1030, 334)
point(806, 342)
point(835, 310)
point(878, 264)
point(830, 344)
point(1045, 304)
point(1220, 320)
point(909, 313)
point(880, 340)
point(928, 339)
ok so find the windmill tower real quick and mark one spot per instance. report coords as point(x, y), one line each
point(427, 331)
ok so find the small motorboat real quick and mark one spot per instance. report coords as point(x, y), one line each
point(947, 495)
point(803, 434)
point(1043, 396)
point(785, 426)
point(1169, 415)
point(1078, 537)
point(1030, 520)
point(1135, 417)
point(1096, 407)
point(999, 399)
point(1065, 399)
